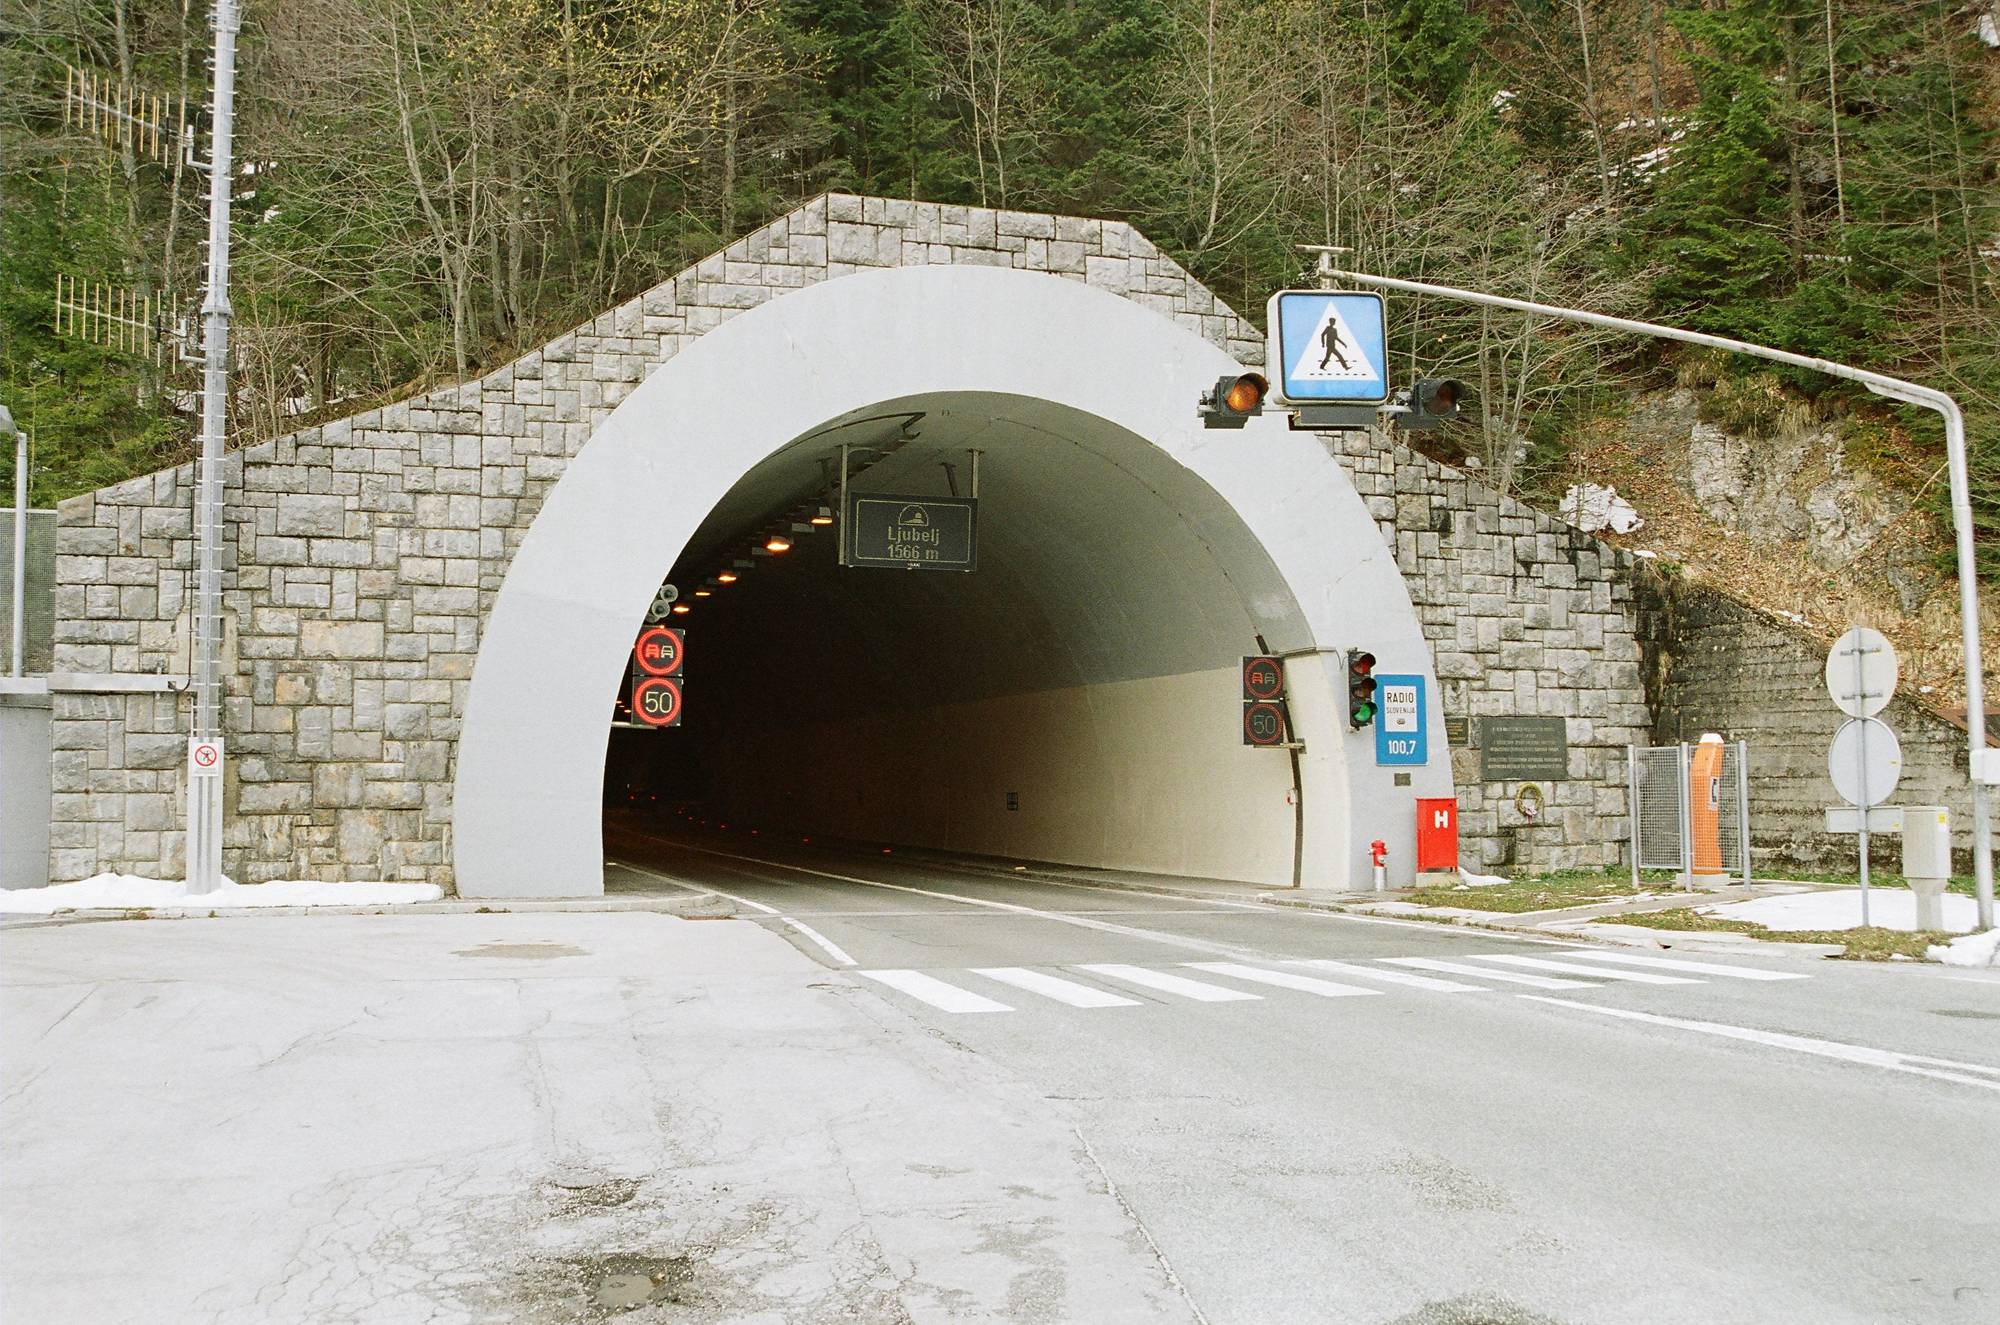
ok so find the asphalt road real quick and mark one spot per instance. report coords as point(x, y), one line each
point(1418, 1131)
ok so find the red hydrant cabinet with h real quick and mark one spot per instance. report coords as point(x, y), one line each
point(1437, 833)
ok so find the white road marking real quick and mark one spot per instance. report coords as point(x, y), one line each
point(1571, 968)
point(1282, 979)
point(1170, 984)
point(1699, 968)
point(832, 949)
point(1849, 1053)
point(944, 997)
point(1221, 949)
point(1054, 986)
point(1081, 922)
point(1505, 977)
point(1393, 977)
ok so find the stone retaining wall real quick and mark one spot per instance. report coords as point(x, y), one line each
point(362, 556)
point(1526, 616)
point(1720, 665)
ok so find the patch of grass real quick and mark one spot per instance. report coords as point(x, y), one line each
point(1537, 892)
point(1687, 918)
point(1870, 944)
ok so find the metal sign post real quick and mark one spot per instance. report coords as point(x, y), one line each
point(204, 833)
point(1983, 767)
point(1861, 672)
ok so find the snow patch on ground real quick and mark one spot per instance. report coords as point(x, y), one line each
point(1888, 908)
point(130, 892)
point(1968, 950)
point(1591, 507)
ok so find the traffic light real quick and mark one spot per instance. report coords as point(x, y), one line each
point(1233, 400)
point(1360, 688)
point(1431, 401)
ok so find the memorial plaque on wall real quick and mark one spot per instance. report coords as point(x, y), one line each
point(1523, 749)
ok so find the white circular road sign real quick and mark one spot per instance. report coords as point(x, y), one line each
point(1866, 762)
point(1861, 671)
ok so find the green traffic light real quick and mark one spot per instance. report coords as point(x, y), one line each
point(1363, 714)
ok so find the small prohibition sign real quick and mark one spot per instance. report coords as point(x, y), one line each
point(656, 701)
point(1263, 678)
point(204, 755)
point(660, 651)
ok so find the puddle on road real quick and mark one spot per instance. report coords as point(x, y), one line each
point(534, 952)
point(619, 1283)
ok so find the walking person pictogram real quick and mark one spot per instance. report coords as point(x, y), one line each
point(1331, 339)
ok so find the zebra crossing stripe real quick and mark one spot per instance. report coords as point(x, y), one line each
point(1699, 968)
point(1429, 982)
point(1481, 973)
point(1170, 984)
point(1282, 979)
point(1571, 968)
point(944, 997)
point(1055, 987)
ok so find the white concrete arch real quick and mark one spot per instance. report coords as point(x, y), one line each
point(1296, 539)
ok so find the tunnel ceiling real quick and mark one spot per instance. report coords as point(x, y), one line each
point(1100, 560)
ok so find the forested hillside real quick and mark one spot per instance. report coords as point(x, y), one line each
point(429, 184)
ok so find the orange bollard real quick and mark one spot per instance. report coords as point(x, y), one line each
point(1705, 804)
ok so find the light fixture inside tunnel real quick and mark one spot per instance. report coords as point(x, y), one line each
point(822, 517)
point(682, 609)
point(777, 543)
point(725, 577)
point(702, 593)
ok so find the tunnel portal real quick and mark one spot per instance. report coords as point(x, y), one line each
point(1085, 672)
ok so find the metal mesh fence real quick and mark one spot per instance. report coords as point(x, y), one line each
point(1659, 808)
point(1663, 820)
point(1731, 828)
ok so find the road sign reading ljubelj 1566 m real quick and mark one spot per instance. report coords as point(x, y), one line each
point(1327, 346)
point(912, 533)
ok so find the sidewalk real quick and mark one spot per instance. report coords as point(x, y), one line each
point(454, 1118)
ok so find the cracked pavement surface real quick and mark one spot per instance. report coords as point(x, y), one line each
point(522, 1118)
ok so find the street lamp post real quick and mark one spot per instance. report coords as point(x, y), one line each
point(1893, 387)
point(204, 801)
point(20, 573)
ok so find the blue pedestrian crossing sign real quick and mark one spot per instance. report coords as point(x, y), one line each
point(1328, 346)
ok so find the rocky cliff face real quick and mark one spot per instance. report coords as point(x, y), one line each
point(1794, 516)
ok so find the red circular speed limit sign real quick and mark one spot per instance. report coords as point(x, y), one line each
point(660, 651)
point(656, 701)
point(1263, 724)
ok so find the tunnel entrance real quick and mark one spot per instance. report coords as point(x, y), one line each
point(1128, 559)
point(1071, 699)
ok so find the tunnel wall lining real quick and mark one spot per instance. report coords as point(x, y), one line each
point(1147, 787)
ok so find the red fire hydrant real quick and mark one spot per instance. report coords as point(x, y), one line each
point(1378, 852)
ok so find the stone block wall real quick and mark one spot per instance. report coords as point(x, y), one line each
point(1526, 616)
point(362, 556)
point(1716, 664)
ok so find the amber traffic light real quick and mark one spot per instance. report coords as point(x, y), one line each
point(1234, 400)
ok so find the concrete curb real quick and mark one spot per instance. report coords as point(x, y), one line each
point(1638, 936)
point(693, 906)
